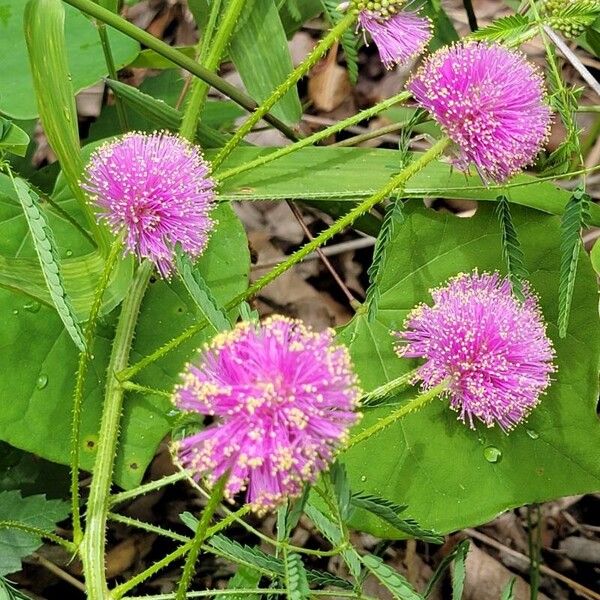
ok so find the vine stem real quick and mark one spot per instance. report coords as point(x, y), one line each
point(316, 137)
point(211, 52)
point(66, 544)
point(82, 367)
point(406, 408)
point(348, 219)
point(200, 535)
point(178, 58)
point(307, 64)
point(388, 388)
point(94, 539)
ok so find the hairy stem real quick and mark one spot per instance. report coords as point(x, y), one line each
point(388, 388)
point(307, 64)
point(199, 537)
point(82, 367)
point(406, 408)
point(348, 219)
point(94, 540)
point(146, 488)
point(316, 137)
point(178, 58)
point(48, 535)
point(211, 52)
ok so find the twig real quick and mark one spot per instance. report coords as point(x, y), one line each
point(363, 242)
point(351, 299)
point(58, 571)
point(468, 4)
point(577, 587)
point(573, 59)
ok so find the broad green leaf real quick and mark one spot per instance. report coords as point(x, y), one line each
point(81, 265)
point(32, 510)
point(353, 173)
point(150, 59)
point(48, 260)
point(86, 59)
point(39, 375)
point(595, 256)
point(12, 138)
point(397, 585)
point(262, 35)
point(432, 462)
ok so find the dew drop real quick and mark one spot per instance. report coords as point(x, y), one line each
point(15, 311)
point(492, 454)
point(69, 253)
point(42, 381)
point(533, 434)
point(32, 307)
point(363, 478)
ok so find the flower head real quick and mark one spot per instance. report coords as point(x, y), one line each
point(492, 349)
point(490, 102)
point(156, 188)
point(398, 35)
point(283, 398)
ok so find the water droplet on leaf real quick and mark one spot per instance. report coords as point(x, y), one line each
point(492, 454)
point(69, 253)
point(42, 381)
point(32, 307)
point(363, 478)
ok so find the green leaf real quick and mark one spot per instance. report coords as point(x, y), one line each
point(263, 35)
point(462, 547)
point(575, 218)
point(432, 462)
point(459, 571)
point(398, 586)
point(511, 248)
point(32, 510)
point(389, 511)
point(350, 41)
point(86, 59)
point(595, 257)
point(244, 578)
point(8, 592)
point(39, 375)
point(150, 59)
point(161, 114)
point(45, 247)
point(201, 294)
point(348, 174)
point(508, 592)
point(296, 580)
point(510, 30)
point(12, 138)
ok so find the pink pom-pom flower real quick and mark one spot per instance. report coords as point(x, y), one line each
point(283, 398)
point(156, 188)
point(399, 35)
point(491, 103)
point(491, 348)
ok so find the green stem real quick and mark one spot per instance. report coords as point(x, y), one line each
point(130, 386)
point(316, 137)
point(82, 367)
point(94, 540)
point(66, 544)
point(410, 406)
point(176, 57)
point(211, 53)
point(199, 537)
point(370, 135)
point(394, 183)
point(137, 524)
point(146, 488)
point(255, 591)
point(307, 64)
point(112, 72)
point(122, 589)
point(388, 388)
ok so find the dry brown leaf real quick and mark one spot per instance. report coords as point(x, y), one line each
point(329, 85)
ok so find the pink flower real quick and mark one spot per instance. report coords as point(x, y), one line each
point(156, 188)
point(283, 398)
point(492, 349)
point(490, 102)
point(399, 36)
